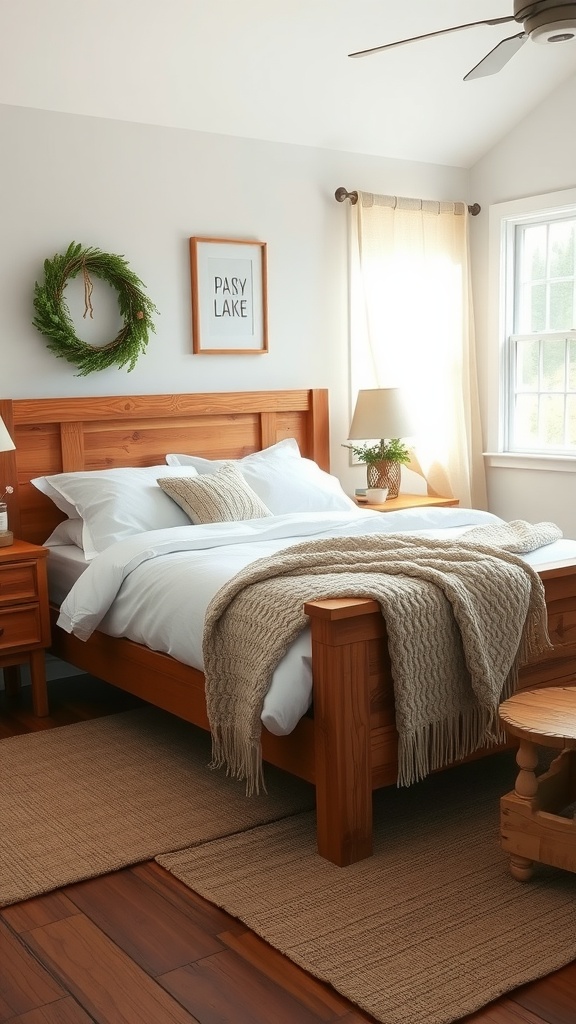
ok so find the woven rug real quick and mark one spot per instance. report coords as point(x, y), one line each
point(85, 799)
point(429, 929)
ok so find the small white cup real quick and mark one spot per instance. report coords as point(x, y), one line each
point(376, 495)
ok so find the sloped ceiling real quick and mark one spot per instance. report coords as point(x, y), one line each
point(278, 70)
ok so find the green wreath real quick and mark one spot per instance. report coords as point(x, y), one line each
point(53, 316)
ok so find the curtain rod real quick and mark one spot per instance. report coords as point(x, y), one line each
point(341, 194)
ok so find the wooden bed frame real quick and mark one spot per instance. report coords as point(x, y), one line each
point(348, 746)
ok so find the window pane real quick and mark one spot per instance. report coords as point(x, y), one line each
point(527, 357)
point(526, 422)
point(534, 268)
point(523, 313)
point(537, 309)
point(552, 421)
point(572, 365)
point(553, 365)
point(561, 249)
point(561, 305)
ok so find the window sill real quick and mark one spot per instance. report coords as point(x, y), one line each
point(517, 460)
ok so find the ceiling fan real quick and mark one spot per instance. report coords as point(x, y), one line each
point(544, 21)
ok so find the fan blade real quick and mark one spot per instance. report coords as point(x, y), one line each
point(498, 57)
point(429, 35)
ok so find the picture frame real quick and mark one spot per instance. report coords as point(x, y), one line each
point(229, 296)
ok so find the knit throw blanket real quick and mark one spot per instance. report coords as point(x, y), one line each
point(461, 618)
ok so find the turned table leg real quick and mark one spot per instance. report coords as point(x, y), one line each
point(525, 788)
point(520, 868)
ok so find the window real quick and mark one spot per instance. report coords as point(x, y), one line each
point(542, 349)
point(537, 327)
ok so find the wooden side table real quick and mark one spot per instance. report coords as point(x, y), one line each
point(531, 826)
point(24, 618)
point(407, 501)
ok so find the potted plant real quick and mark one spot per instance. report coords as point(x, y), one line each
point(384, 461)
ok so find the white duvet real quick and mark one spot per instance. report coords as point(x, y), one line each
point(155, 587)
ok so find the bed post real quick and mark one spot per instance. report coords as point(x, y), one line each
point(318, 429)
point(341, 631)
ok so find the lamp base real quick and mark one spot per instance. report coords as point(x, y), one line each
point(6, 538)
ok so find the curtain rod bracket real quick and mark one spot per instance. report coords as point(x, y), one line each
point(342, 193)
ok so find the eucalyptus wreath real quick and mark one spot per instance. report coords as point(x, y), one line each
point(53, 315)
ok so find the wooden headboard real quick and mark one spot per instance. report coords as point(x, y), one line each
point(58, 435)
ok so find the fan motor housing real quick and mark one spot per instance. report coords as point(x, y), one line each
point(547, 21)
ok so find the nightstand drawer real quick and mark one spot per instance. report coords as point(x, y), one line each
point(18, 582)
point(20, 627)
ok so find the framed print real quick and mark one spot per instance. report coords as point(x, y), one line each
point(229, 296)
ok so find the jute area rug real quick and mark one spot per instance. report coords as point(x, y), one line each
point(429, 929)
point(85, 799)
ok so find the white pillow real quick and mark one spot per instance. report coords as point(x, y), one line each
point(287, 448)
point(283, 480)
point(297, 485)
point(67, 532)
point(115, 503)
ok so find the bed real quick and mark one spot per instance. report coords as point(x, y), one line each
point(347, 744)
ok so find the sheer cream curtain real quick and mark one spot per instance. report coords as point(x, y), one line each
point(412, 327)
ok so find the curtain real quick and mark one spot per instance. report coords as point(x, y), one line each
point(412, 327)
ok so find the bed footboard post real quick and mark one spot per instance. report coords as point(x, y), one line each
point(342, 741)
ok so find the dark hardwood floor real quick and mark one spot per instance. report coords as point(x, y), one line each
point(138, 947)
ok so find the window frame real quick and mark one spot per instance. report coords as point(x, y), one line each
point(503, 220)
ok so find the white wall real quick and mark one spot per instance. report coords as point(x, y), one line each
point(142, 191)
point(537, 157)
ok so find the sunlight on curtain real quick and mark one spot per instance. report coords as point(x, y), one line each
point(412, 327)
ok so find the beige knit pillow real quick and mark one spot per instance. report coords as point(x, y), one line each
point(215, 498)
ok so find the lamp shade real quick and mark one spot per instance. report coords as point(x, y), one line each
point(6, 442)
point(380, 413)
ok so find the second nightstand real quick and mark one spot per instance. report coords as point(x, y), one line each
point(408, 501)
point(24, 618)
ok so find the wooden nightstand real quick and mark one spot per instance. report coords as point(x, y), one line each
point(24, 618)
point(408, 501)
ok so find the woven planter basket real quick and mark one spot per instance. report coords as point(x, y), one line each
point(385, 474)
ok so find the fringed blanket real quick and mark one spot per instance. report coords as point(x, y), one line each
point(461, 618)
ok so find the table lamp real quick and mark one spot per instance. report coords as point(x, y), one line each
point(381, 413)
